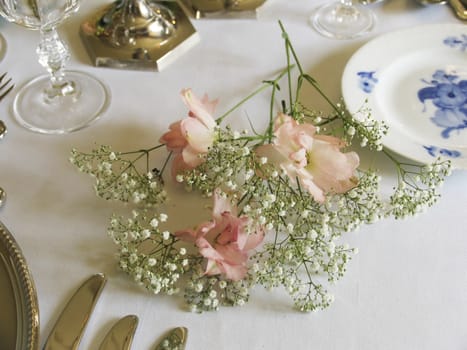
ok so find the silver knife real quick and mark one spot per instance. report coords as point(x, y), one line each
point(121, 334)
point(175, 339)
point(70, 325)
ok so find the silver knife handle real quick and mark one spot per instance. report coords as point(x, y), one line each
point(175, 339)
point(70, 325)
point(121, 334)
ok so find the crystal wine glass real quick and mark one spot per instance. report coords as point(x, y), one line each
point(342, 20)
point(61, 101)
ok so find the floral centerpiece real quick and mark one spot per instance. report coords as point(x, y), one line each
point(281, 199)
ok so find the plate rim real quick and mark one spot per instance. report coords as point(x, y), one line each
point(350, 90)
point(25, 287)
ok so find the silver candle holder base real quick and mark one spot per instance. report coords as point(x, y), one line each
point(222, 8)
point(138, 34)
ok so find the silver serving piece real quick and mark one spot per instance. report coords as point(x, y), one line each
point(138, 34)
point(223, 8)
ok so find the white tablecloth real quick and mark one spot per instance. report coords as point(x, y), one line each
point(406, 289)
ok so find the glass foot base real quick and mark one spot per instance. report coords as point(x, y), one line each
point(339, 21)
point(63, 114)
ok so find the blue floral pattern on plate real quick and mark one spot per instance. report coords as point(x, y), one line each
point(435, 151)
point(457, 42)
point(448, 93)
point(367, 81)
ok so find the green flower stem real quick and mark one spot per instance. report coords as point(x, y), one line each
point(145, 152)
point(270, 130)
point(400, 170)
point(265, 85)
point(289, 77)
point(303, 75)
point(166, 162)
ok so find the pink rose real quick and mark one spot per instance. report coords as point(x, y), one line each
point(224, 241)
point(192, 136)
point(315, 160)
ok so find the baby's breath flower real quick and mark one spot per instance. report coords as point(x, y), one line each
point(165, 235)
point(154, 223)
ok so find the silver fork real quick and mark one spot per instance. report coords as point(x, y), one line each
point(6, 85)
point(5, 89)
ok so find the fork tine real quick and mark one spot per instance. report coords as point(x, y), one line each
point(2, 96)
point(5, 83)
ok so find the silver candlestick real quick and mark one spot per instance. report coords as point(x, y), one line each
point(138, 34)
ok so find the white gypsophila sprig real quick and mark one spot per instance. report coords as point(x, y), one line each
point(361, 205)
point(341, 123)
point(208, 293)
point(119, 178)
point(227, 165)
point(417, 187)
point(303, 267)
point(370, 132)
point(302, 249)
point(147, 253)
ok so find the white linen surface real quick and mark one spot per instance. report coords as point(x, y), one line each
point(406, 289)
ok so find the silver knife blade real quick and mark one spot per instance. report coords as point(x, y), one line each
point(175, 339)
point(121, 334)
point(70, 325)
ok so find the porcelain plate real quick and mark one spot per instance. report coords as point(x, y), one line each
point(415, 80)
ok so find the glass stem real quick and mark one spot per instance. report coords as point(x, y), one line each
point(53, 55)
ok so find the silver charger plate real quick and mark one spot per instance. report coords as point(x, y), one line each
point(19, 321)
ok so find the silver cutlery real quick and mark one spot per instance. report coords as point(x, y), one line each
point(2, 196)
point(5, 89)
point(70, 325)
point(174, 340)
point(2, 129)
point(121, 334)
